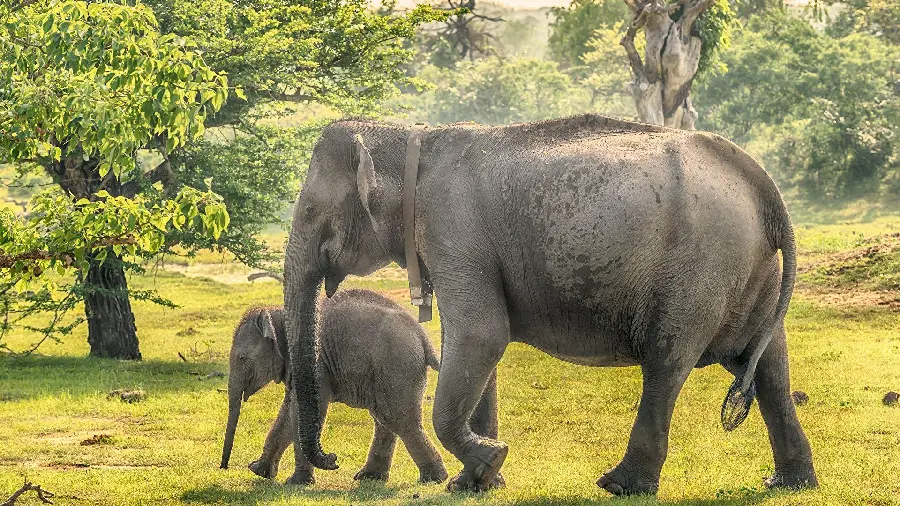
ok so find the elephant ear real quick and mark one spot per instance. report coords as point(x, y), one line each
point(271, 333)
point(366, 179)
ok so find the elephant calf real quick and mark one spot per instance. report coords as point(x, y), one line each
point(372, 355)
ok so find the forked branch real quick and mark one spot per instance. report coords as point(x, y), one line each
point(43, 495)
point(691, 12)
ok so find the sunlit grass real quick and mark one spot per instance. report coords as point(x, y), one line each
point(565, 424)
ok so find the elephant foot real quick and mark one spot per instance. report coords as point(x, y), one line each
point(618, 481)
point(482, 467)
point(263, 469)
point(794, 477)
point(367, 474)
point(433, 474)
point(301, 477)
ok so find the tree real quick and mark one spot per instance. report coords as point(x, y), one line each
point(877, 17)
point(821, 111)
point(336, 53)
point(496, 91)
point(83, 87)
point(462, 35)
point(680, 40)
point(573, 27)
point(287, 56)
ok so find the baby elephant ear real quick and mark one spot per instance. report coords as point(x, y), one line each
point(267, 328)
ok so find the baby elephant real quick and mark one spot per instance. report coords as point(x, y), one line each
point(372, 355)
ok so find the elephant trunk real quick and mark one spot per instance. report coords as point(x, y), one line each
point(235, 393)
point(302, 281)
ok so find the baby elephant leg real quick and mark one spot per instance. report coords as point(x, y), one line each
point(277, 441)
point(381, 453)
point(427, 459)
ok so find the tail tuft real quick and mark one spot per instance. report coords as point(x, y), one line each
point(736, 405)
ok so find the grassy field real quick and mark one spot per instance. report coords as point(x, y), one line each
point(565, 424)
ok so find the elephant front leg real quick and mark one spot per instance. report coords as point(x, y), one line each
point(470, 355)
point(484, 420)
point(279, 438)
point(639, 470)
point(303, 470)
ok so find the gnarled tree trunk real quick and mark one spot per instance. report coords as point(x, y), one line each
point(662, 80)
point(111, 329)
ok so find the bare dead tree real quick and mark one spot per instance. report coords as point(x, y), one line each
point(464, 34)
point(43, 495)
point(662, 80)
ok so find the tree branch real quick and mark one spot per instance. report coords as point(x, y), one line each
point(295, 97)
point(273, 275)
point(634, 59)
point(691, 13)
point(42, 494)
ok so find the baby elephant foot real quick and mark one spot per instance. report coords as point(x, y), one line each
point(263, 469)
point(480, 468)
point(618, 481)
point(366, 474)
point(301, 477)
point(433, 474)
point(794, 477)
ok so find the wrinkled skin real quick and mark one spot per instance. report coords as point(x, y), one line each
point(373, 355)
point(598, 241)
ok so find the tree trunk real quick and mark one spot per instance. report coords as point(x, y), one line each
point(111, 329)
point(662, 80)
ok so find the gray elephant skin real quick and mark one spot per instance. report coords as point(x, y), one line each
point(601, 242)
point(373, 355)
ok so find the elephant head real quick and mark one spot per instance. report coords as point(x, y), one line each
point(257, 357)
point(347, 220)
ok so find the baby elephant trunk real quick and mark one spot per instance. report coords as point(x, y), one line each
point(235, 392)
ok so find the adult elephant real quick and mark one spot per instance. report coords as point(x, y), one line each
point(598, 241)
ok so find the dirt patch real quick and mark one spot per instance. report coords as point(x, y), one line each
point(98, 439)
point(873, 265)
point(852, 298)
point(127, 395)
point(67, 466)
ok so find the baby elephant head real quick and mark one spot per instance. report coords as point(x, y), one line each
point(258, 354)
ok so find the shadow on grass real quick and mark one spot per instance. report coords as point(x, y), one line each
point(262, 491)
point(38, 375)
point(372, 492)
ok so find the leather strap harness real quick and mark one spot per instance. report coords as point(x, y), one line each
point(420, 290)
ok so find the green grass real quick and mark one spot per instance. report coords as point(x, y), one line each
point(565, 424)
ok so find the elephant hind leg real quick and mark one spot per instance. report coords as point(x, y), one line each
point(381, 454)
point(639, 470)
point(790, 447)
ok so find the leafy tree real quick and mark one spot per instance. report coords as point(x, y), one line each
point(877, 17)
point(286, 56)
point(573, 28)
point(496, 91)
point(82, 88)
point(832, 102)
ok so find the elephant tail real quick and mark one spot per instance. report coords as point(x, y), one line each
point(431, 358)
point(780, 233)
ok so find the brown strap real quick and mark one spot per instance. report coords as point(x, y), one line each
point(420, 295)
